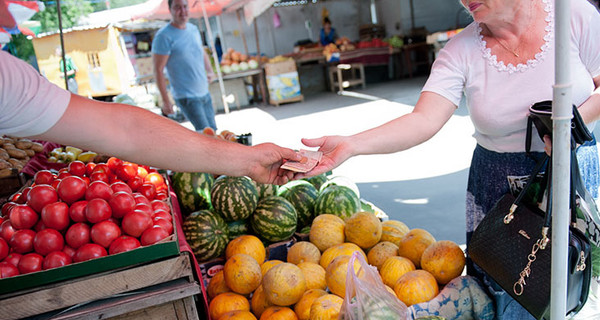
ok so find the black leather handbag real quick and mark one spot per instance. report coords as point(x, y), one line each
point(512, 242)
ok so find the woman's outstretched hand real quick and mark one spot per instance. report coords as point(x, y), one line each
point(336, 149)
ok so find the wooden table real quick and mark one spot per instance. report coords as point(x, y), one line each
point(258, 81)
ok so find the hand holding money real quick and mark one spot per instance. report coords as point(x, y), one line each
point(309, 160)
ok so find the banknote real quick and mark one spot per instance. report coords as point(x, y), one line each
point(309, 160)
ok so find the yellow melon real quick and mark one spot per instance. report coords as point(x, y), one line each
point(303, 251)
point(444, 259)
point(363, 229)
point(238, 315)
point(336, 272)
point(414, 243)
point(226, 302)
point(247, 244)
point(268, 265)
point(326, 231)
point(259, 302)
point(302, 307)
point(415, 287)
point(393, 231)
point(393, 268)
point(326, 307)
point(284, 284)
point(217, 285)
point(343, 249)
point(242, 273)
point(314, 275)
point(380, 252)
point(278, 313)
point(390, 290)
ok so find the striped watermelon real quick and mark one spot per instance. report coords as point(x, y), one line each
point(305, 230)
point(341, 181)
point(274, 219)
point(193, 190)
point(206, 233)
point(302, 195)
point(317, 181)
point(338, 200)
point(265, 190)
point(234, 198)
point(238, 228)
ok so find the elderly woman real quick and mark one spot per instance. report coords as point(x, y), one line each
point(503, 62)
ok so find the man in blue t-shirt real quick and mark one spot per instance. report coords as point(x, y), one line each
point(177, 46)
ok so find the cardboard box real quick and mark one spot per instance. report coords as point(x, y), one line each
point(209, 268)
point(275, 68)
point(283, 86)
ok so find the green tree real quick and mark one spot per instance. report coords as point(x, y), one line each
point(71, 12)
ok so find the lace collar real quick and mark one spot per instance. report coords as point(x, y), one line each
point(539, 57)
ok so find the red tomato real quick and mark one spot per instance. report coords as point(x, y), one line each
point(71, 189)
point(162, 214)
point(104, 232)
point(69, 251)
point(13, 258)
point(126, 171)
point(99, 176)
point(41, 195)
point(6, 230)
point(65, 169)
point(23, 217)
point(77, 211)
point(98, 189)
point(113, 163)
point(163, 223)
point(142, 172)
point(39, 226)
point(97, 210)
point(8, 270)
point(22, 241)
point(86, 180)
point(160, 205)
point(3, 249)
point(16, 197)
point(135, 223)
point(5, 211)
point(56, 259)
point(144, 208)
point(48, 240)
point(30, 262)
point(63, 174)
point(56, 215)
point(78, 235)
point(77, 168)
point(139, 198)
point(55, 183)
point(89, 168)
point(112, 178)
point(122, 244)
point(43, 177)
point(89, 251)
point(135, 183)
point(153, 235)
point(156, 179)
point(147, 190)
point(101, 167)
point(161, 195)
point(121, 186)
point(121, 203)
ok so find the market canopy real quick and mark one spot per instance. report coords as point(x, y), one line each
point(13, 13)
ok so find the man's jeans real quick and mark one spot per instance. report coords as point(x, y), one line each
point(199, 111)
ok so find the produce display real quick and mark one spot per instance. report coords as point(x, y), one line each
point(83, 212)
point(69, 154)
point(15, 153)
point(234, 61)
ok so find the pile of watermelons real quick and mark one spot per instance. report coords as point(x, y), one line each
point(218, 210)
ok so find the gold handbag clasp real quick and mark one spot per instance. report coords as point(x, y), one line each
point(511, 214)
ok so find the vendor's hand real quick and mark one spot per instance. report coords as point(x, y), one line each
point(265, 166)
point(548, 145)
point(335, 151)
point(211, 77)
point(167, 108)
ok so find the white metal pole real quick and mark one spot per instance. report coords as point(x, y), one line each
point(211, 43)
point(561, 160)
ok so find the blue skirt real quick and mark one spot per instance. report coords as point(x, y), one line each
point(488, 182)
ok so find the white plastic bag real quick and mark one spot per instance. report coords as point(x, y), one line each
point(366, 295)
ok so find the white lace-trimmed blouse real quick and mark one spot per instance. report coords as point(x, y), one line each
point(497, 95)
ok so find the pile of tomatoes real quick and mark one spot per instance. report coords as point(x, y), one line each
point(83, 212)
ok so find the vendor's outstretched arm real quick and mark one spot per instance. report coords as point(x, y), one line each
point(430, 114)
point(137, 135)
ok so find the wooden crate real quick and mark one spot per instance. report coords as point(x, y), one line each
point(294, 99)
point(159, 290)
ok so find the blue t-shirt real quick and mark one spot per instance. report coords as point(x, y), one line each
point(185, 66)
